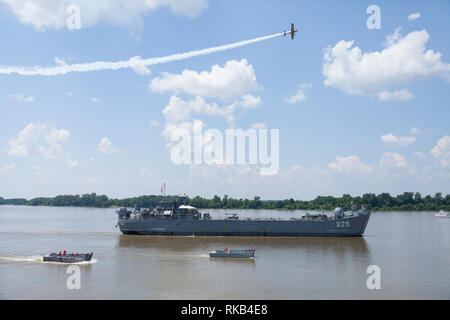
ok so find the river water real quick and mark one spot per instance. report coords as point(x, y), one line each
point(412, 250)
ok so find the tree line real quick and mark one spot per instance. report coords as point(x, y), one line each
point(408, 201)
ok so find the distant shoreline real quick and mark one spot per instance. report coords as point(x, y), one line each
point(384, 202)
point(230, 209)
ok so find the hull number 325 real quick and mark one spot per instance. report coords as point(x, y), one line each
point(343, 224)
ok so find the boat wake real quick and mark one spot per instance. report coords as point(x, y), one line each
point(38, 260)
point(33, 259)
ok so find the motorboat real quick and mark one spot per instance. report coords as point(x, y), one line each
point(226, 253)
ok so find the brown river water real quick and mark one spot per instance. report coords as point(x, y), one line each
point(412, 250)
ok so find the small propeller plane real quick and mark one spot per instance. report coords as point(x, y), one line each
point(292, 32)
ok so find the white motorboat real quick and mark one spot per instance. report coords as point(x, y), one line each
point(443, 214)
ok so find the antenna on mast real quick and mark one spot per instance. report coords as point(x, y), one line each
point(163, 189)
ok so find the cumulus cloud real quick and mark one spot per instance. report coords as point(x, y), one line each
point(441, 151)
point(404, 60)
point(179, 110)
point(181, 117)
point(230, 87)
point(229, 82)
point(44, 14)
point(179, 114)
point(403, 141)
point(250, 102)
point(21, 98)
point(348, 164)
point(37, 140)
point(300, 95)
point(414, 16)
point(105, 146)
point(415, 130)
point(232, 82)
point(393, 160)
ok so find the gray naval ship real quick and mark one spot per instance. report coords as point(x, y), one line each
point(176, 218)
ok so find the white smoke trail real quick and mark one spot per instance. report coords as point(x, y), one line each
point(130, 63)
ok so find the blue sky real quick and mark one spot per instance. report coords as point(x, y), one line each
point(348, 132)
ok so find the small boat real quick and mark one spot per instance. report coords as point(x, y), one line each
point(68, 257)
point(443, 214)
point(247, 253)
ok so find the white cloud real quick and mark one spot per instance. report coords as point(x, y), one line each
point(181, 117)
point(26, 139)
point(21, 98)
point(44, 14)
point(233, 80)
point(300, 95)
point(403, 60)
point(154, 123)
point(415, 130)
point(105, 146)
point(179, 110)
point(403, 141)
point(94, 99)
point(37, 140)
point(250, 102)
point(401, 95)
point(350, 163)
point(414, 16)
point(393, 160)
point(4, 171)
point(442, 151)
point(231, 83)
point(178, 114)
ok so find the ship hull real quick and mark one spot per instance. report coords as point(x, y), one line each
point(345, 227)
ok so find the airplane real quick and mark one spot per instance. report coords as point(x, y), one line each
point(292, 32)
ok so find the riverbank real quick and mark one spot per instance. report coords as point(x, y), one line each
point(408, 201)
point(203, 210)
